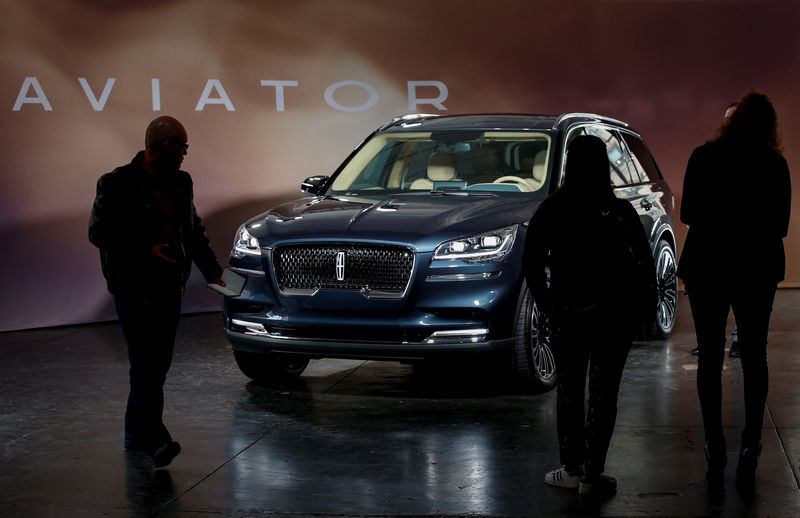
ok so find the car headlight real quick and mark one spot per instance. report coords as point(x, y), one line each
point(486, 247)
point(245, 244)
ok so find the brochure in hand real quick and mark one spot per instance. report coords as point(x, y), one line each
point(233, 283)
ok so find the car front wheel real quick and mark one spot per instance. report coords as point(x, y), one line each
point(270, 368)
point(534, 363)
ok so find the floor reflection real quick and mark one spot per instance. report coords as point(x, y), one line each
point(148, 489)
point(431, 442)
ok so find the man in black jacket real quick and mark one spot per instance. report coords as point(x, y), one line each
point(147, 229)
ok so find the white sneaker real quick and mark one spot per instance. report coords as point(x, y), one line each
point(562, 478)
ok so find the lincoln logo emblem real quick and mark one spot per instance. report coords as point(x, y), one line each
point(340, 266)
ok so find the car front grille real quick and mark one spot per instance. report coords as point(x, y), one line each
point(377, 270)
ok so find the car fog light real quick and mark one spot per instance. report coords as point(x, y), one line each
point(458, 336)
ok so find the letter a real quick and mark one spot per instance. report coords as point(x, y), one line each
point(214, 84)
point(22, 98)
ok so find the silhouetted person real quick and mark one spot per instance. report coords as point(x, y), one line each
point(736, 202)
point(599, 290)
point(734, 353)
point(147, 229)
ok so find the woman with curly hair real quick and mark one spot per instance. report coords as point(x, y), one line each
point(736, 202)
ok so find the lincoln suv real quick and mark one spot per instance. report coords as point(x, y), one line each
point(411, 250)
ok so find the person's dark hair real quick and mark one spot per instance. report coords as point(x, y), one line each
point(754, 121)
point(587, 170)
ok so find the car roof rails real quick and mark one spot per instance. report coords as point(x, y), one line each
point(409, 117)
point(594, 116)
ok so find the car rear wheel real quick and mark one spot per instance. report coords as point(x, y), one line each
point(667, 282)
point(270, 367)
point(534, 363)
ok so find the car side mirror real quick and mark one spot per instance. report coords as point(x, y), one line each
point(313, 184)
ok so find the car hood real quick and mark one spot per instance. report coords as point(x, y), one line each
point(421, 220)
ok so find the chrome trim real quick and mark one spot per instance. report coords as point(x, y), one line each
point(376, 294)
point(340, 265)
point(299, 292)
point(461, 332)
point(451, 336)
point(457, 336)
point(407, 118)
point(247, 271)
point(575, 128)
point(601, 118)
point(462, 276)
point(370, 294)
point(253, 328)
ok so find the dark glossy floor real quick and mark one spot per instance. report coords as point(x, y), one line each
point(367, 438)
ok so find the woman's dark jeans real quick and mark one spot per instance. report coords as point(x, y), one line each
point(752, 307)
point(599, 342)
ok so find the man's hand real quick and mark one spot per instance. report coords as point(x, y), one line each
point(219, 281)
point(158, 251)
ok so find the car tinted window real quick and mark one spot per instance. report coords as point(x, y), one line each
point(622, 172)
point(618, 158)
point(498, 161)
point(642, 158)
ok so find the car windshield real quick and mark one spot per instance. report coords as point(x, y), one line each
point(419, 162)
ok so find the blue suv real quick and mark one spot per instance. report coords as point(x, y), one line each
point(411, 250)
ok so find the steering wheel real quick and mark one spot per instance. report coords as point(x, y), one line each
point(519, 182)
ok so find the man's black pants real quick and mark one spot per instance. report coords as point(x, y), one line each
point(149, 324)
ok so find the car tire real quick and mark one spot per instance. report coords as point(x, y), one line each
point(533, 360)
point(667, 283)
point(270, 368)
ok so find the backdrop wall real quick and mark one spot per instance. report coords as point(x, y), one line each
point(272, 92)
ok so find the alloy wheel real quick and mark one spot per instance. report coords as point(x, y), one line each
point(544, 362)
point(667, 279)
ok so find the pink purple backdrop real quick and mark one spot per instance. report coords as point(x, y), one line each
point(273, 92)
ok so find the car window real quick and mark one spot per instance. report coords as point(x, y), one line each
point(642, 158)
point(621, 170)
point(498, 161)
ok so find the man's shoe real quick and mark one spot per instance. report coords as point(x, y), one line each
point(599, 486)
point(164, 455)
point(562, 478)
point(746, 470)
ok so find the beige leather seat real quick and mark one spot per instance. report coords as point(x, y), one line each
point(538, 171)
point(441, 168)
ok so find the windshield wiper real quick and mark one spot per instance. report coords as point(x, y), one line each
point(449, 193)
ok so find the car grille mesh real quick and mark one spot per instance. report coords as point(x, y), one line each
point(374, 268)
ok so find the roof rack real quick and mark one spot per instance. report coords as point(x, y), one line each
point(588, 116)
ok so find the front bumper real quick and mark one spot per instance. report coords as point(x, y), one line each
point(258, 341)
point(451, 308)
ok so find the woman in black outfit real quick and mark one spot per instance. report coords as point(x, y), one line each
point(601, 284)
point(736, 202)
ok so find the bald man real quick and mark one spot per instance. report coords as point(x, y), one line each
point(147, 229)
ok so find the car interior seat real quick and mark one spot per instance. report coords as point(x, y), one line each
point(538, 169)
point(441, 168)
